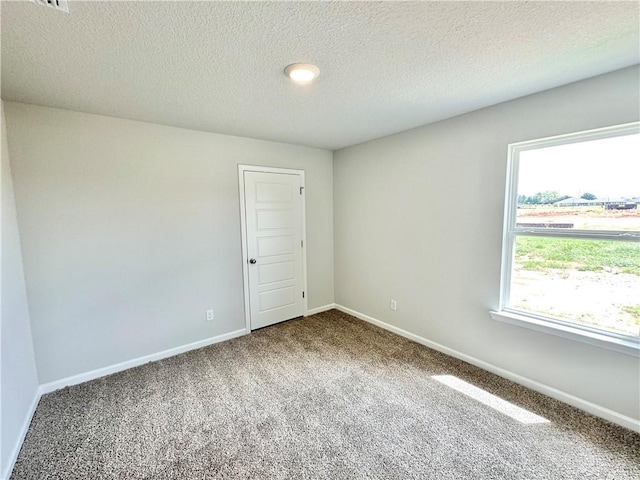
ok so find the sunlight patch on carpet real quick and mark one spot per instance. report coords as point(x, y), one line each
point(497, 403)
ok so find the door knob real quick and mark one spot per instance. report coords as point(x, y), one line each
point(252, 261)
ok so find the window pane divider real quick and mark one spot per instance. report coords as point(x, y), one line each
point(620, 235)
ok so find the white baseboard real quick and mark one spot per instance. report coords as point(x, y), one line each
point(324, 308)
point(119, 367)
point(23, 433)
point(589, 407)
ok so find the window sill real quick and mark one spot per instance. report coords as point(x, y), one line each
point(628, 346)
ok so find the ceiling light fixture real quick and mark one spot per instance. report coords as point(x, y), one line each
point(302, 72)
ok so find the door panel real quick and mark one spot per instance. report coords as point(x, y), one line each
point(273, 204)
point(270, 192)
point(276, 272)
point(282, 297)
point(277, 245)
point(275, 219)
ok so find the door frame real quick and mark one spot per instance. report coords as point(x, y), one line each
point(243, 228)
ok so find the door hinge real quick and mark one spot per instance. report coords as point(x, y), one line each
point(301, 243)
point(301, 188)
point(302, 294)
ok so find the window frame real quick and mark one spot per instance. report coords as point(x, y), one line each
point(611, 340)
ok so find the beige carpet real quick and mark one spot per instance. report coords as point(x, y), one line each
point(326, 397)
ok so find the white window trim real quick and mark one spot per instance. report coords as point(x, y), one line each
point(592, 336)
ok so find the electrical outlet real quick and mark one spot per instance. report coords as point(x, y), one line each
point(209, 315)
point(393, 305)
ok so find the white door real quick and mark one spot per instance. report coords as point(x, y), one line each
point(274, 234)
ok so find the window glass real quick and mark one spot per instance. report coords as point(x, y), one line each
point(592, 185)
point(572, 235)
point(595, 283)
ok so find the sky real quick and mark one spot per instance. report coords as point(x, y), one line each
point(607, 167)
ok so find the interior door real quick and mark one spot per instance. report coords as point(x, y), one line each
point(273, 212)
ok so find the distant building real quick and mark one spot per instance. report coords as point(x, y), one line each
point(620, 204)
point(575, 202)
point(610, 203)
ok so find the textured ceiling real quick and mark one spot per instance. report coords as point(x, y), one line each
point(385, 66)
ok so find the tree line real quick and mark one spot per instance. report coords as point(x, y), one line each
point(549, 197)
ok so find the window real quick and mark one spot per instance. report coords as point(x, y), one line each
point(571, 248)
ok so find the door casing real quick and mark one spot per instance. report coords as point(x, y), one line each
point(243, 227)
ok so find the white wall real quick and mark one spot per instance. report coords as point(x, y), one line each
point(419, 219)
point(18, 377)
point(131, 231)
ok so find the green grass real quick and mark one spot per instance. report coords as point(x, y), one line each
point(541, 253)
point(634, 311)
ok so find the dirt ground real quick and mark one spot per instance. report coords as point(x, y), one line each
point(583, 217)
point(591, 298)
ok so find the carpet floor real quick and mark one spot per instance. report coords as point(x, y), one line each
point(325, 397)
